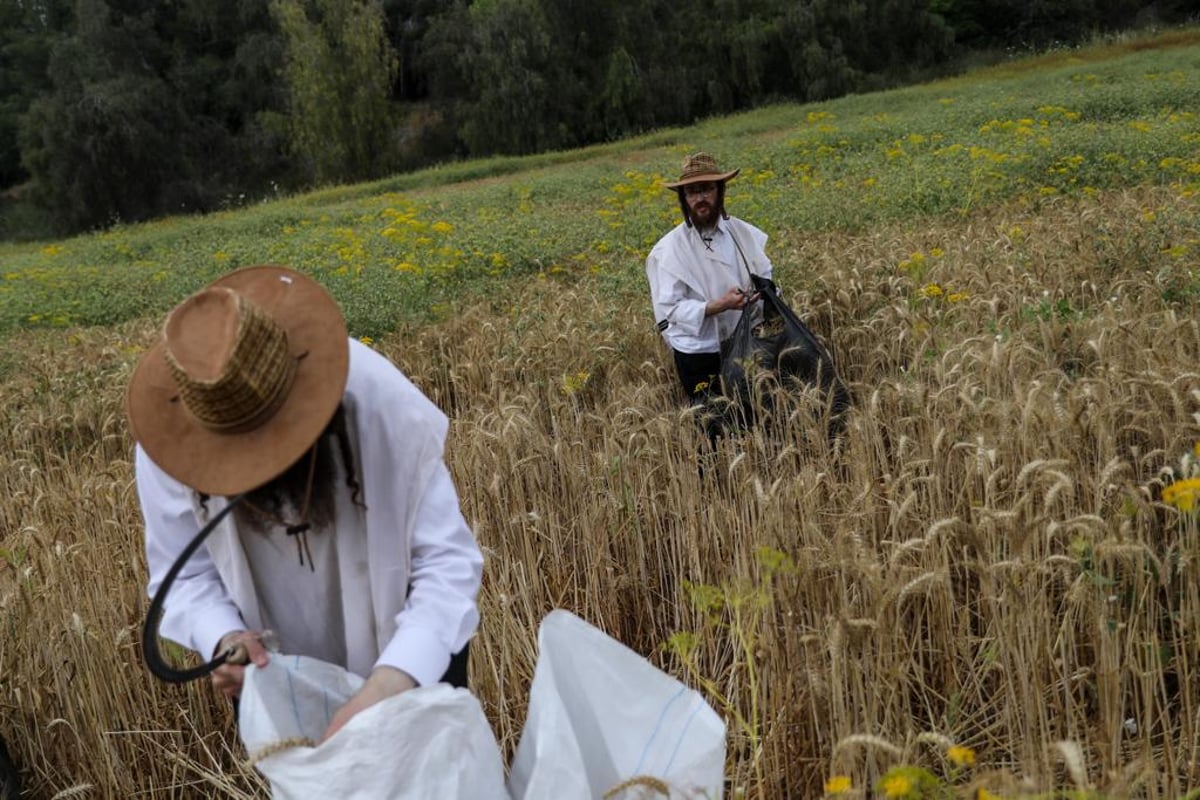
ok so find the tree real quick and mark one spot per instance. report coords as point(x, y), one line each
point(27, 30)
point(497, 56)
point(407, 22)
point(340, 67)
point(152, 108)
point(100, 143)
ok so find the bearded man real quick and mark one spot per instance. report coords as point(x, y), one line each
point(346, 539)
point(699, 274)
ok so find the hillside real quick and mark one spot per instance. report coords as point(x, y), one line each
point(1004, 267)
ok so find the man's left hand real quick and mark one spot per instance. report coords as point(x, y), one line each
point(384, 682)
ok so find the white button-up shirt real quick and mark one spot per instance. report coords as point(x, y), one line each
point(685, 272)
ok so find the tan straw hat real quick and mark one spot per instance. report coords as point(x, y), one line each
point(246, 375)
point(700, 168)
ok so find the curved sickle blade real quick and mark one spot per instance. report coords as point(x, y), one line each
point(154, 660)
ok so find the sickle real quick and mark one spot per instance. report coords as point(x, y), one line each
point(154, 660)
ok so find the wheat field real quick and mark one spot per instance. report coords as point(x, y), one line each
point(982, 559)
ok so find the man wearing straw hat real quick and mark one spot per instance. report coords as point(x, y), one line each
point(346, 541)
point(699, 274)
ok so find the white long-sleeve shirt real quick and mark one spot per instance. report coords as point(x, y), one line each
point(685, 273)
point(395, 583)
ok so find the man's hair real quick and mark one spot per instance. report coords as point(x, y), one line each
point(283, 496)
point(687, 214)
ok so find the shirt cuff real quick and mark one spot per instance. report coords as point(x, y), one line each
point(210, 625)
point(419, 652)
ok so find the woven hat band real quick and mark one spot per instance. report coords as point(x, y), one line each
point(257, 372)
point(700, 168)
point(699, 164)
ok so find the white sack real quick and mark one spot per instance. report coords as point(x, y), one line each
point(600, 715)
point(430, 742)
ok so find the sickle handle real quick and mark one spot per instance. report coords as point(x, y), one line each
point(237, 654)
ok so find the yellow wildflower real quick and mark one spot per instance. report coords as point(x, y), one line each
point(956, 297)
point(1182, 494)
point(573, 383)
point(837, 784)
point(932, 290)
point(984, 794)
point(442, 227)
point(367, 340)
point(896, 786)
point(961, 756)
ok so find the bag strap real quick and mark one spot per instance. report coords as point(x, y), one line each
point(742, 253)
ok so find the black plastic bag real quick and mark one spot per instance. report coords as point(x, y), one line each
point(783, 347)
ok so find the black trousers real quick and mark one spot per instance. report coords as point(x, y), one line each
point(698, 373)
point(456, 673)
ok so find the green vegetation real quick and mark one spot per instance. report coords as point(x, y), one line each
point(121, 112)
point(402, 249)
point(339, 70)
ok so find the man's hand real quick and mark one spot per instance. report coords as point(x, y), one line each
point(734, 298)
point(227, 678)
point(383, 683)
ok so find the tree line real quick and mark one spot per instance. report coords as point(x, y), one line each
point(123, 110)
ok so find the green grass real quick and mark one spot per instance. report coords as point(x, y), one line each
point(402, 250)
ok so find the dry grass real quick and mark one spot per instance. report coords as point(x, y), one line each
point(981, 560)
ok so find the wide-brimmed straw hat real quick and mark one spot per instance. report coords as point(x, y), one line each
point(701, 168)
point(247, 373)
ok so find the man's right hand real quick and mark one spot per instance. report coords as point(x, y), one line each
point(248, 649)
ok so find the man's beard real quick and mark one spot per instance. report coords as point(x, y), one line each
point(710, 218)
point(283, 498)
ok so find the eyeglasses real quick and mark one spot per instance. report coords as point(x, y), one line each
point(693, 189)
